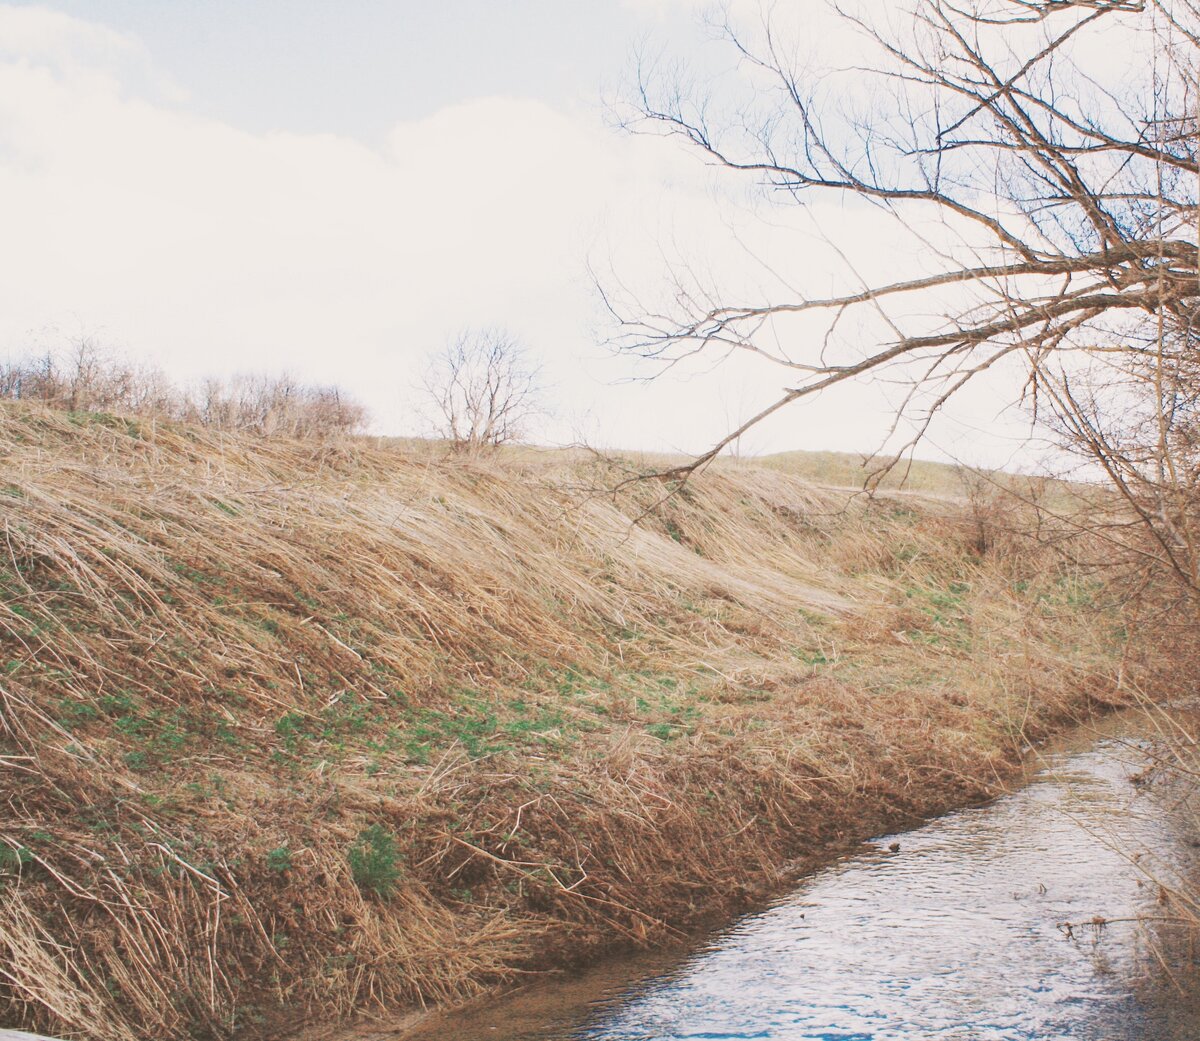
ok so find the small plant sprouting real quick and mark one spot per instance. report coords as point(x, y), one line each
point(13, 859)
point(374, 861)
point(290, 727)
point(279, 860)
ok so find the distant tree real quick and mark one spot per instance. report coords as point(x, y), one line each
point(484, 390)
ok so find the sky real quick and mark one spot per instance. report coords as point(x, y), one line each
point(337, 189)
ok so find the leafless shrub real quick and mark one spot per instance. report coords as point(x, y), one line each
point(86, 378)
point(276, 405)
point(484, 389)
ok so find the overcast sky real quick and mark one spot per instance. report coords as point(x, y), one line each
point(337, 188)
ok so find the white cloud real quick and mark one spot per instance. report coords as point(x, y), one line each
point(662, 8)
point(208, 249)
point(40, 34)
point(205, 247)
point(89, 54)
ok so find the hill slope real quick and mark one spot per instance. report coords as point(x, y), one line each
point(291, 729)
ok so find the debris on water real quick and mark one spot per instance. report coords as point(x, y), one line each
point(894, 847)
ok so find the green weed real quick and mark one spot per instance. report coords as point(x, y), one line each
point(374, 861)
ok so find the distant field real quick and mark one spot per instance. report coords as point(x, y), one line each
point(840, 470)
point(835, 469)
point(852, 470)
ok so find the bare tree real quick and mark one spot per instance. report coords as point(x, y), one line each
point(485, 390)
point(1065, 209)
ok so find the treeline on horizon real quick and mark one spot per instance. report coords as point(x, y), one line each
point(87, 378)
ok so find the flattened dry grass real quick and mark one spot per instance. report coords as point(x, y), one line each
point(297, 730)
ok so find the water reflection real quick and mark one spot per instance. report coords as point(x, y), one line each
point(957, 936)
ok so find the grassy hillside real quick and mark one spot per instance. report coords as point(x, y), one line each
point(296, 729)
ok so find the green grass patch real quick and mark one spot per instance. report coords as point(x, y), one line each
point(375, 861)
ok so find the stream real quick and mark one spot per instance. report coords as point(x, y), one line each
point(959, 935)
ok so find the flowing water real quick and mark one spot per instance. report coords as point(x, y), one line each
point(959, 935)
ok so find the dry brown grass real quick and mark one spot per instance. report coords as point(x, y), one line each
point(225, 659)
